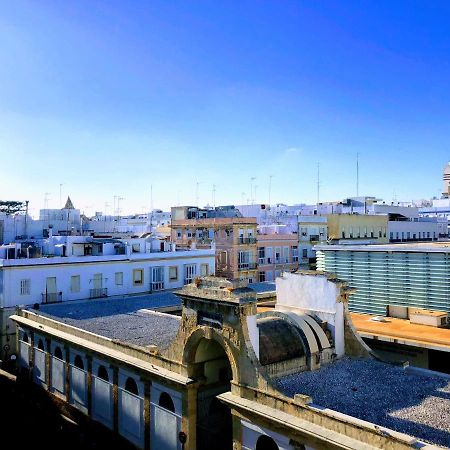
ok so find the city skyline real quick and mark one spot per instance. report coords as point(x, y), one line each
point(114, 99)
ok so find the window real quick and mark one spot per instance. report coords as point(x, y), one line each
point(102, 373)
point(294, 253)
point(25, 338)
point(157, 278)
point(204, 270)
point(305, 253)
point(173, 273)
point(136, 248)
point(75, 283)
point(391, 236)
point(262, 276)
point(285, 254)
point(178, 234)
point(58, 353)
point(131, 386)
point(189, 233)
point(166, 402)
point(41, 345)
point(269, 255)
point(277, 254)
point(138, 277)
point(78, 362)
point(244, 260)
point(119, 278)
point(261, 255)
point(190, 271)
point(25, 287)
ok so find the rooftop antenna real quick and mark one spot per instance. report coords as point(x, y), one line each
point(318, 183)
point(254, 192)
point(251, 189)
point(270, 187)
point(243, 198)
point(196, 193)
point(151, 197)
point(214, 196)
point(357, 174)
point(60, 195)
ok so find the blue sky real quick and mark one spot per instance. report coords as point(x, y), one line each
point(112, 97)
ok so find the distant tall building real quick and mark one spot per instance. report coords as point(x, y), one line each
point(446, 179)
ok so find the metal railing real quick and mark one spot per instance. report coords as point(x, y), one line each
point(52, 297)
point(98, 292)
point(246, 240)
point(247, 266)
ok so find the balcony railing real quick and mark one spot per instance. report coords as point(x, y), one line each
point(246, 240)
point(247, 266)
point(52, 297)
point(98, 292)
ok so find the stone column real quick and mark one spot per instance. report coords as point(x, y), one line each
point(48, 363)
point(147, 394)
point(189, 420)
point(116, 399)
point(67, 372)
point(31, 354)
point(89, 384)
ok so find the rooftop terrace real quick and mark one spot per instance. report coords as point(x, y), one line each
point(131, 320)
point(390, 396)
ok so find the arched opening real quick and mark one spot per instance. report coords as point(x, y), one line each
point(131, 386)
point(266, 443)
point(58, 353)
point(166, 402)
point(102, 373)
point(25, 338)
point(210, 365)
point(78, 362)
point(41, 345)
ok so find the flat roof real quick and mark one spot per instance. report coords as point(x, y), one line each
point(263, 287)
point(381, 393)
point(402, 331)
point(131, 320)
point(433, 247)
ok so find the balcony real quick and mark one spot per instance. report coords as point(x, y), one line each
point(247, 266)
point(246, 240)
point(53, 297)
point(98, 292)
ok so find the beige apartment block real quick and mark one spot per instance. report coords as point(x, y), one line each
point(234, 239)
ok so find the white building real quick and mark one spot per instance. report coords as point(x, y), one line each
point(78, 267)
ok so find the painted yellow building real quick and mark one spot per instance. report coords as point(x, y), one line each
point(358, 227)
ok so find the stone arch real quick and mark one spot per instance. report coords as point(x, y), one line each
point(41, 345)
point(57, 353)
point(265, 442)
point(78, 362)
point(102, 373)
point(194, 340)
point(131, 386)
point(166, 402)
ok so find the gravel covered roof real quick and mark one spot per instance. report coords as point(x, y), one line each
point(384, 394)
point(122, 318)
